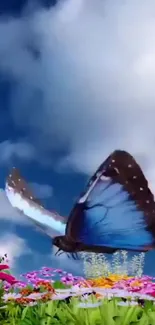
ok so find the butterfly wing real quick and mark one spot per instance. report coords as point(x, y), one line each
point(117, 209)
point(21, 197)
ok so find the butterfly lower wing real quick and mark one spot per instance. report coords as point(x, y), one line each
point(21, 197)
point(116, 222)
point(117, 209)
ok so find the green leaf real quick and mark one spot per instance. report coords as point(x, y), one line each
point(7, 271)
point(130, 315)
point(59, 285)
point(42, 289)
point(25, 312)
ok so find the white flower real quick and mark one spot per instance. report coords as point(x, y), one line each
point(35, 295)
point(127, 303)
point(82, 290)
point(75, 287)
point(10, 296)
point(60, 296)
point(144, 297)
point(31, 303)
point(89, 304)
point(60, 291)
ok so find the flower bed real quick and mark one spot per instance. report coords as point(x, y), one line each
point(38, 298)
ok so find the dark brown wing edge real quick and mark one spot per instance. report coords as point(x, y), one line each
point(16, 181)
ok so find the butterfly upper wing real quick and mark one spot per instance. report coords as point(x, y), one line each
point(117, 209)
point(21, 197)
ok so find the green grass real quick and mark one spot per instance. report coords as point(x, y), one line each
point(62, 313)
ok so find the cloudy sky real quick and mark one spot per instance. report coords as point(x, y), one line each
point(77, 80)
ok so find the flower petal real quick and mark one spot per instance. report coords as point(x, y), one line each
point(89, 304)
point(4, 267)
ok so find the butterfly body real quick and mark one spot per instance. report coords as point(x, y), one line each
point(67, 245)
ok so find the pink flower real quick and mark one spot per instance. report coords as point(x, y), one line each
point(4, 267)
point(47, 269)
point(8, 278)
point(58, 271)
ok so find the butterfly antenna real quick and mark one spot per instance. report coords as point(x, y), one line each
point(61, 252)
point(57, 252)
point(73, 255)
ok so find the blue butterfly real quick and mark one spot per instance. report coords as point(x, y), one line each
point(115, 212)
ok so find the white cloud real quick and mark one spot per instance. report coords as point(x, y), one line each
point(14, 247)
point(41, 191)
point(10, 150)
point(85, 73)
point(8, 213)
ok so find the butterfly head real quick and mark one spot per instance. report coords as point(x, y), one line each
point(63, 243)
point(58, 241)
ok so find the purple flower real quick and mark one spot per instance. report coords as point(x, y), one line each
point(58, 271)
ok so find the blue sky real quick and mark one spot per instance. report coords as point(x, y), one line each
point(76, 82)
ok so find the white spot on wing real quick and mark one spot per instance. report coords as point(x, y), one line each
point(85, 196)
point(116, 169)
point(104, 178)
